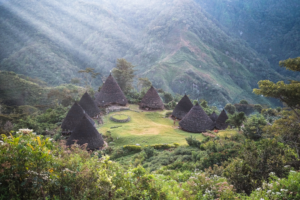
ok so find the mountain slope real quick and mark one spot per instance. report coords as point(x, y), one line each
point(173, 42)
point(271, 27)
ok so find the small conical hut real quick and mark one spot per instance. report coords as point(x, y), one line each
point(151, 101)
point(182, 108)
point(221, 121)
point(213, 116)
point(73, 118)
point(110, 94)
point(88, 104)
point(196, 121)
point(84, 133)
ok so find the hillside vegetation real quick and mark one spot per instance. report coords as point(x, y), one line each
point(174, 43)
point(271, 27)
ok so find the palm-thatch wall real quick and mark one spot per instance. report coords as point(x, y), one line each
point(182, 108)
point(151, 101)
point(196, 121)
point(110, 94)
point(88, 104)
point(221, 121)
point(84, 133)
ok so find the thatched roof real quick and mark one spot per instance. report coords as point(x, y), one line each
point(213, 116)
point(182, 108)
point(221, 121)
point(151, 100)
point(196, 121)
point(84, 133)
point(73, 117)
point(88, 104)
point(110, 94)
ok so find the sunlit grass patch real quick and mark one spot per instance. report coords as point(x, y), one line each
point(145, 128)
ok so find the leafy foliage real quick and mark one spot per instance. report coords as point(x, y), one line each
point(236, 119)
point(253, 127)
point(124, 74)
point(256, 161)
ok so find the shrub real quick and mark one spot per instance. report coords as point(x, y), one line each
point(33, 167)
point(149, 151)
point(258, 108)
point(253, 127)
point(193, 142)
point(276, 188)
point(230, 108)
point(255, 162)
point(163, 146)
point(236, 119)
point(243, 101)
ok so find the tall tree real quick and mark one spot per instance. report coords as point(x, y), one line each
point(288, 93)
point(88, 74)
point(124, 74)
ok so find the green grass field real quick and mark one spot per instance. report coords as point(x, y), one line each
point(145, 128)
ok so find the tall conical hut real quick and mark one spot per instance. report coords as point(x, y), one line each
point(196, 121)
point(221, 121)
point(73, 117)
point(214, 116)
point(151, 101)
point(88, 104)
point(84, 133)
point(110, 94)
point(182, 108)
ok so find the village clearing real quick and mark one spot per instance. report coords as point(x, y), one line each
point(146, 128)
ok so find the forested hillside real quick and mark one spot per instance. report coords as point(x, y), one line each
point(271, 27)
point(174, 43)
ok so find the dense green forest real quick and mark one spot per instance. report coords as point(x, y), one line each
point(176, 44)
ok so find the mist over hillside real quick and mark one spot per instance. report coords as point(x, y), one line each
point(175, 43)
point(271, 27)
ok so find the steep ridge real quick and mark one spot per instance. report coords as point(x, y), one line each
point(271, 27)
point(172, 42)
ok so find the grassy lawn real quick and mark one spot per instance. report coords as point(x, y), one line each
point(145, 128)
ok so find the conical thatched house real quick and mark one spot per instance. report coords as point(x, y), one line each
point(213, 116)
point(87, 103)
point(196, 121)
point(84, 133)
point(73, 117)
point(221, 121)
point(110, 94)
point(182, 108)
point(151, 101)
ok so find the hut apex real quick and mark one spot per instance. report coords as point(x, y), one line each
point(213, 117)
point(182, 108)
point(73, 118)
point(88, 104)
point(221, 121)
point(110, 94)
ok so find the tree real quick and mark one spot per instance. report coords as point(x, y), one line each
point(236, 119)
point(258, 108)
point(243, 101)
point(88, 74)
point(286, 129)
point(255, 163)
point(253, 127)
point(168, 97)
point(144, 83)
point(230, 108)
point(287, 93)
point(124, 74)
